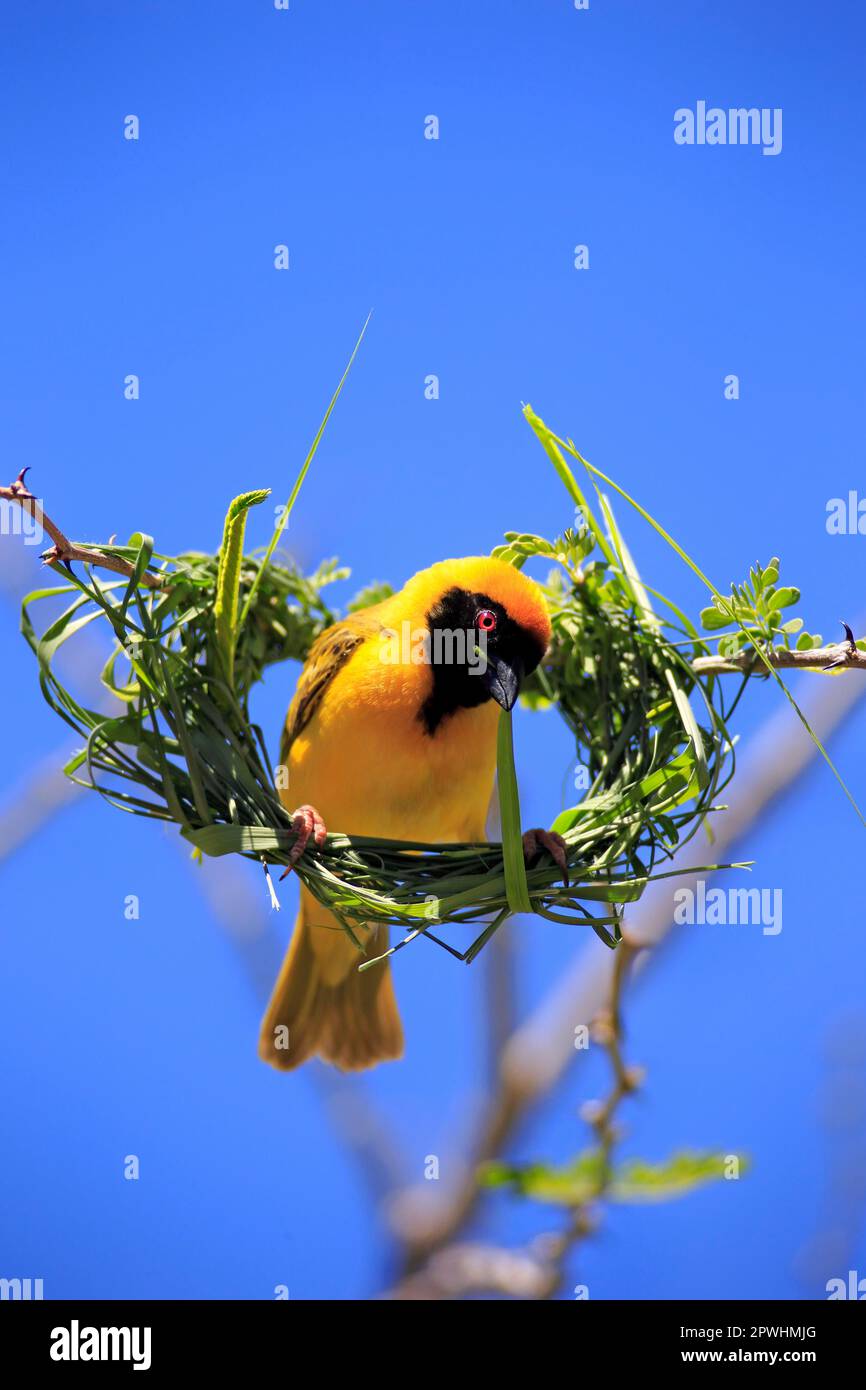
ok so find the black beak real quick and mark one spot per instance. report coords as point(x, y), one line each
point(502, 679)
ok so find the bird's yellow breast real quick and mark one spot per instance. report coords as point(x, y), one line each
point(368, 765)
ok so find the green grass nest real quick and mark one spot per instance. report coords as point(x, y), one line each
point(180, 745)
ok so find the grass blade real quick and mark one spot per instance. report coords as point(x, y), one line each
point(229, 577)
point(516, 887)
point(293, 496)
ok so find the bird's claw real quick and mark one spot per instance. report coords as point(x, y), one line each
point(537, 841)
point(307, 824)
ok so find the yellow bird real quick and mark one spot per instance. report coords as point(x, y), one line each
point(392, 733)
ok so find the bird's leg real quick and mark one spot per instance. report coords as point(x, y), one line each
point(306, 822)
point(537, 841)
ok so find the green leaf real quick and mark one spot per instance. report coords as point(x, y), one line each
point(731, 645)
point(634, 1180)
point(783, 598)
point(638, 1181)
point(229, 577)
point(713, 620)
point(516, 887)
point(143, 546)
point(690, 724)
point(571, 1185)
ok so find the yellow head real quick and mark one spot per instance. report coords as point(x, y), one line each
point(501, 616)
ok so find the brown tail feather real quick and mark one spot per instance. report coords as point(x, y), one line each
point(352, 1023)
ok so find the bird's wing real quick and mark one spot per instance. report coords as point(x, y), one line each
point(328, 655)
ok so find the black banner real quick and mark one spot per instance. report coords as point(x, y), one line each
point(153, 1338)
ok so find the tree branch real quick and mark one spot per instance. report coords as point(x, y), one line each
point(474, 1268)
point(63, 552)
point(838, 656)
point(537, 1271)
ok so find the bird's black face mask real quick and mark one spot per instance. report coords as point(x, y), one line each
point(477, 653)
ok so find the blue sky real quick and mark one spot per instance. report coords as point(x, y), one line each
point(156, 257)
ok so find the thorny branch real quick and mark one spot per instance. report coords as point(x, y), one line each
point(837, 656)
point(63, 552)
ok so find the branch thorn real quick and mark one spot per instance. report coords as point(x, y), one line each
point(19, 488)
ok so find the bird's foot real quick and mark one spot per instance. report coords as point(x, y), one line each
point(536, 842)
point(307, 824)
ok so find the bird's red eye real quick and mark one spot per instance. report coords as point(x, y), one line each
point(485, 621)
